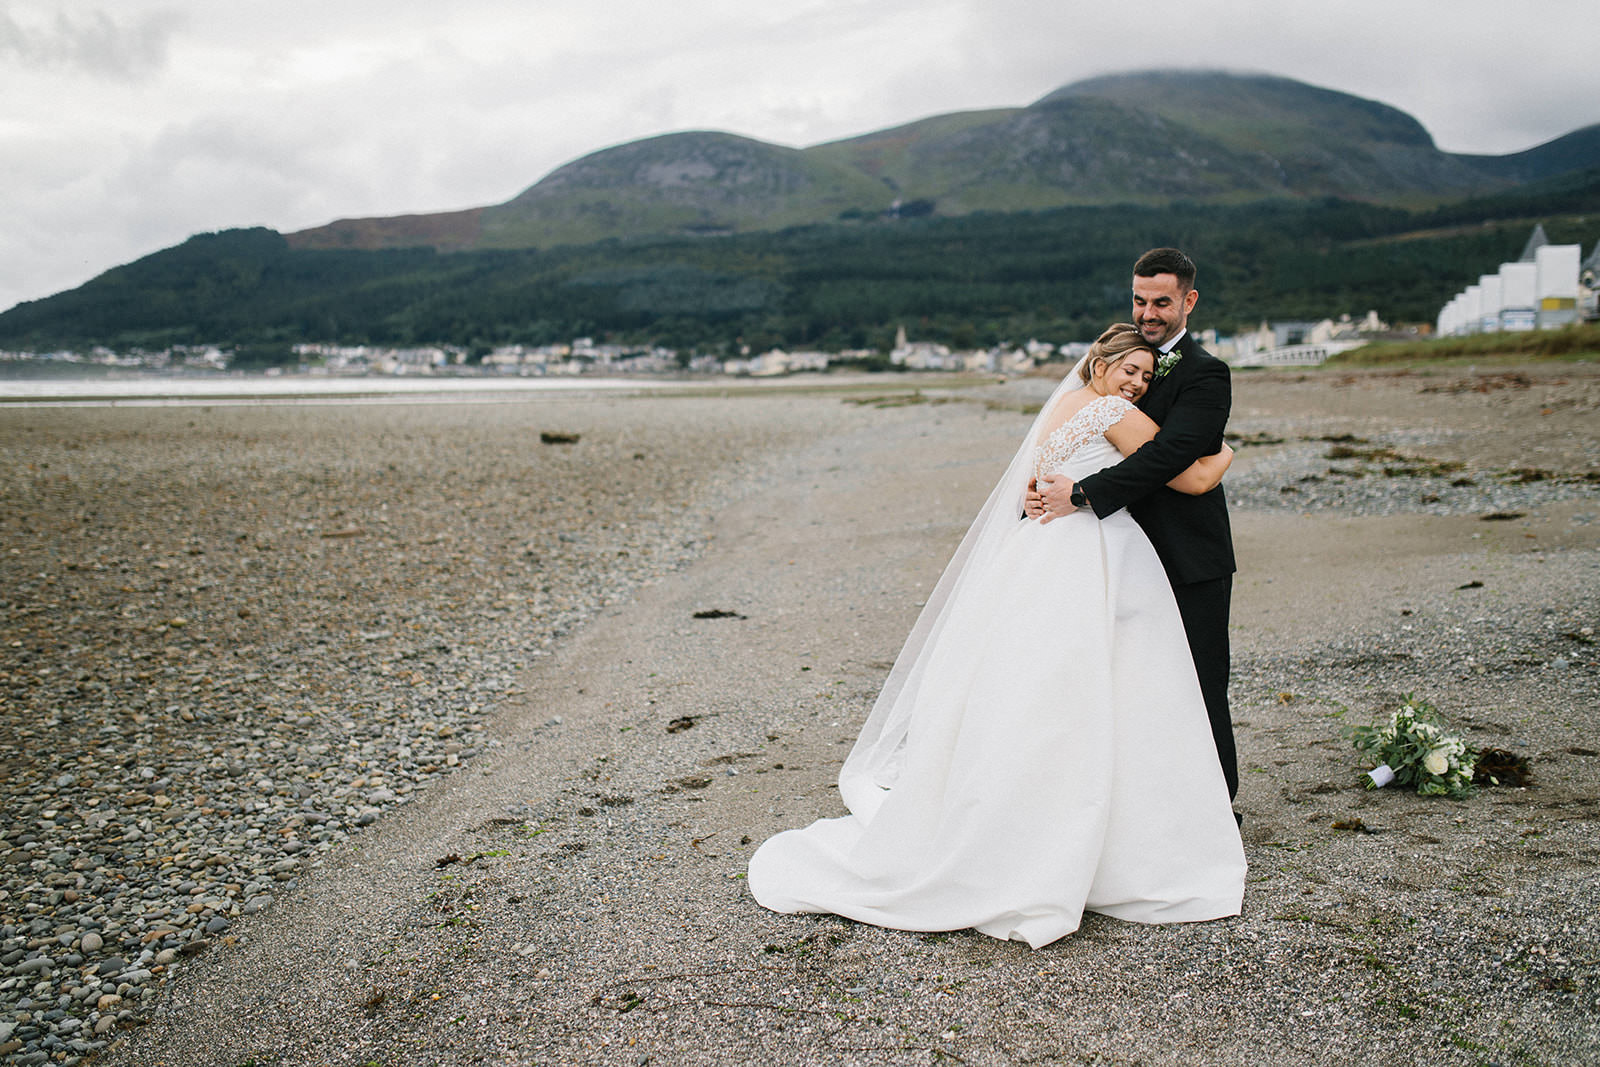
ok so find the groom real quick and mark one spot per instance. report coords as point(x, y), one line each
point(1190, 402)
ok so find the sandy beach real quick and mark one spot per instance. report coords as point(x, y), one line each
point(441, 734)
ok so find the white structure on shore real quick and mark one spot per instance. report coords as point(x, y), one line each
point(1544, 289)
point(1295, 344)
point(1589, 285)
point(1519, 296)
point(1558, 284)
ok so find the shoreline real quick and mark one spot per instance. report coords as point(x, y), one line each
point(165, 391)
point(594, 907)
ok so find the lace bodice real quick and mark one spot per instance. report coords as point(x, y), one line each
point(1078, 446)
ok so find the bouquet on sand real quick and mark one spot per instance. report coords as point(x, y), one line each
point(1415, 749)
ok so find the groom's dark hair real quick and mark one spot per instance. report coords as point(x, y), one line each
point(1166, 261)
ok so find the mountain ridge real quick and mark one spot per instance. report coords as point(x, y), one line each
point(1152, 137)
point(979, 279)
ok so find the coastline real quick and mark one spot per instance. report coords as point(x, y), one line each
point(178, 390)
point(594, 910)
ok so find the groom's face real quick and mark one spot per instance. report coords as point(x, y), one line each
point(1161, 307)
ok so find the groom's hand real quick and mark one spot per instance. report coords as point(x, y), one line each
point(1055, 493)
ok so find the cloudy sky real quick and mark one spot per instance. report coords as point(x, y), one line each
point(127, 126)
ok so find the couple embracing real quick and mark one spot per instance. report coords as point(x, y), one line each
point(1054, 736)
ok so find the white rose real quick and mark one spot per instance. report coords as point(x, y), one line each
point(1436, 762)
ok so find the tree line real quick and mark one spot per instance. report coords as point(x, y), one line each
point(977, 280)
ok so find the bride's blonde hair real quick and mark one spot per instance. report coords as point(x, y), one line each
point(1111, 347)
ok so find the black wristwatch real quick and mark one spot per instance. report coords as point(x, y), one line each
point(1077, 499)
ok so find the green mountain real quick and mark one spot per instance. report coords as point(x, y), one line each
point(978, 279)
point(1147, 138)
point(1577, 150)
point(698, 184)
point(972, 228)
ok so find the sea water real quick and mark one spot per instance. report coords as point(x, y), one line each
point(157, 389)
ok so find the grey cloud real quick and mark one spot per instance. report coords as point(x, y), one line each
point(95, 43)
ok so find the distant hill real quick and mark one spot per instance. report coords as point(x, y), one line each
point(694, 184)
point(1148, 138)
point(1578, 150)
point(973, 228)
point(978, 279)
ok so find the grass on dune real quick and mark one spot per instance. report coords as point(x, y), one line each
point(1569, 344)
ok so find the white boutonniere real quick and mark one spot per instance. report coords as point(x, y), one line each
point(1167, 361)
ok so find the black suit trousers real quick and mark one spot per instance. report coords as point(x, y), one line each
point(1204, 607)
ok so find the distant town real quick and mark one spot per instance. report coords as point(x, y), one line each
point(1548, 287)
point(1302, 343)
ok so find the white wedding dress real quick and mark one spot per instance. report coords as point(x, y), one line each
point(1041, 747)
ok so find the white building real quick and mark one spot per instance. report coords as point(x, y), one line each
point(1543, 289)
point(1589, 285)
point(1472, 309)
point(1519, 287)
point(1557, 284)
point(1489, 303)
point(920, 355)
point(777, 361)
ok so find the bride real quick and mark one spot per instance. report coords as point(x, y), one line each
point(1040, 747)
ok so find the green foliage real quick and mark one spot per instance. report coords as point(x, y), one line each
point(980, 279)
point(262, 356)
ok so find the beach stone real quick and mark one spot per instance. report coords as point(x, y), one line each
point(92, 942)
point(303, 699)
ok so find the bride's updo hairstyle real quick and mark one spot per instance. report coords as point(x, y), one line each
point(1110, 347)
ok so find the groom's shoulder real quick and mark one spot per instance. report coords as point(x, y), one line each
point(1193, 348)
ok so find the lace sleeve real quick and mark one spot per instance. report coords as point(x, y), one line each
point(1087, 424)
point(1102, 414)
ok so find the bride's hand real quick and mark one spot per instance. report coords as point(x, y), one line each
point(1033, 503)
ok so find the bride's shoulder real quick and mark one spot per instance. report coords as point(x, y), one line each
point(1085, 401)
point(1114, 402)
point(1081, 419)
point(1108, 410)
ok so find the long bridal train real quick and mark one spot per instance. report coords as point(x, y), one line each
point(1040, 749)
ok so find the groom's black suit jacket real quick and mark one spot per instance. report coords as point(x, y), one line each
point(1190, 533)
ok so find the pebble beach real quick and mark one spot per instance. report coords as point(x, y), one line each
point(440, 732)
